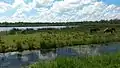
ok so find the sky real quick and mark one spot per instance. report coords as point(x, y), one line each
point(58, 10)
point(116, 2)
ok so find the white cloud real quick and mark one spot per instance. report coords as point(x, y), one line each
point(67, 10)
point(4, 7)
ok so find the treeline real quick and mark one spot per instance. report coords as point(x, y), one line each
point(28, 24)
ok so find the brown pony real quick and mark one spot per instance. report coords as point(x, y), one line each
point(94, 30)
point(111, 30)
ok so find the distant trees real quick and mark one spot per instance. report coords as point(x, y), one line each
point(24, 24)
point(31, 30)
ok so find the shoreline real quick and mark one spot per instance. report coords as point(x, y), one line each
point(17, 40)
point(91, 45)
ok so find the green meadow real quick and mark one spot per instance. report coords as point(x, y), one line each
point(30, 39)
point(16, 40)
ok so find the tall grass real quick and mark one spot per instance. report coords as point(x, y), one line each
point(57, 38)
point(103, 61)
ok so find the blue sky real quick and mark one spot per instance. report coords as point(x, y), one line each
point(58, 10)
point(116, 2)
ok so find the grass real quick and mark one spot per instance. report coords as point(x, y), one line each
point(103, 61)
point(48, 39)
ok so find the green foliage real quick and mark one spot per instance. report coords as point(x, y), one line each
point(26, 24)
point(47, 39)
point(19, 46)
point(2, 46)
point(103, 61)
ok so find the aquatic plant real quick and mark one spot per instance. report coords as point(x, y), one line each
point(2, 46)
point(103, 61)
point(31, 44)
point(19, 46)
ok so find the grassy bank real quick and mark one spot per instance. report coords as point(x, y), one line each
point(54, 39)
point(103, 61)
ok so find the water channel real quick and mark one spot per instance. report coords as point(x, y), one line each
point(18, 60)
point(40, 27)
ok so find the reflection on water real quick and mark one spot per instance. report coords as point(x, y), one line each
point(17, 60)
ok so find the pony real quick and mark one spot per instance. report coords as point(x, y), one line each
point(94, 30)
point(111, 30)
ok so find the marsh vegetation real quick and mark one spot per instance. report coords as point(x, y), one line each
point(103, 61)
point(84, 33)
point(30, 39)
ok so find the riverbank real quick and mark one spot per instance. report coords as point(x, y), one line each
point(48, 39)
point(30, 39)
point(103, 61)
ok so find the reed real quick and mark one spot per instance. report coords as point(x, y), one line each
point(48, 39)
point(103, 61)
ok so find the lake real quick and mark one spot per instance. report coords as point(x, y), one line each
point(40, 27)
point(17, 59)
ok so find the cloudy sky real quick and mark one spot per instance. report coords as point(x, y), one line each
point(58, 10)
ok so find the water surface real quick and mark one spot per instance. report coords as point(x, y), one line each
point(17, 60)
point(40, 27)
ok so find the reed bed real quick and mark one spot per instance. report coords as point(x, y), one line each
point(103, 61)
point(47, 39)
